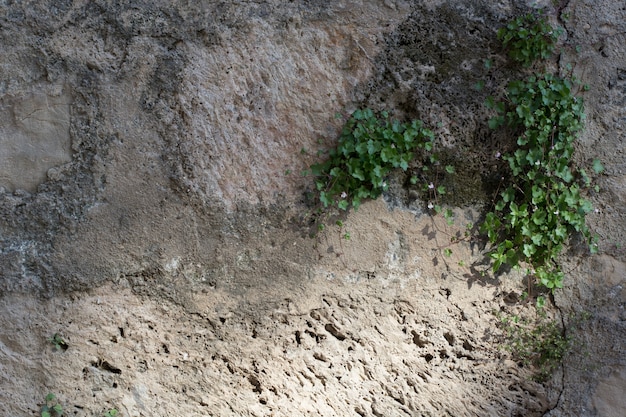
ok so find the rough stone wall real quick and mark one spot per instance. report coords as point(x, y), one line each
point(172, 135)
point(176, 113)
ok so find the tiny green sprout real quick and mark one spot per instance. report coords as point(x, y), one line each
point(346, 236)
point(541, 301)
point(111, 413)
point(586, 87)
point(449, 169)
point(51, 408)
point(447, 252)
point(461, 263)
point(479, 85)
point(413, 180)
point(488, 63)
point(287, 172)
point(339, 223)
point(441, 190)
point(58, 342)
point(303, 151)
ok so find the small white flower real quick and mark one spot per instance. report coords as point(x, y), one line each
point(596, 211)
point(556, 212)
point(498, 155)
point(344, 194)
point(431, 185)
point(384, 185)
point(393, 146)
point(430, 205)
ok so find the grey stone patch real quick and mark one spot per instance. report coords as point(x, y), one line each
point(34, 136)
point(609, 399)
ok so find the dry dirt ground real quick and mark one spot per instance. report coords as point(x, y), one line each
point(153, 213)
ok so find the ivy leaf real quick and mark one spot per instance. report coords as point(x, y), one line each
point(496, 122)
point(597, 166)
point(537, 238)
point(539, 217)
point(325, 199)
point(490, 103)
point(358, 173)
point(566, 174)
point(529, 250)
point(561, 232)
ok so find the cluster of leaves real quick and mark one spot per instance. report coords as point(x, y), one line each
point(540, 343)
point(51, 408)
point(543, 205)
point(529, 38)
point(370, 146)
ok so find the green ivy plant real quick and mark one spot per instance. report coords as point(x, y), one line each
point(529, 38)
point(370, 146)
point(543, 204)
point(52, 407)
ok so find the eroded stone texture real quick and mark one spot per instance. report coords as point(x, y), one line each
point(185, 120)
point(256, 106)
point(609, 396)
